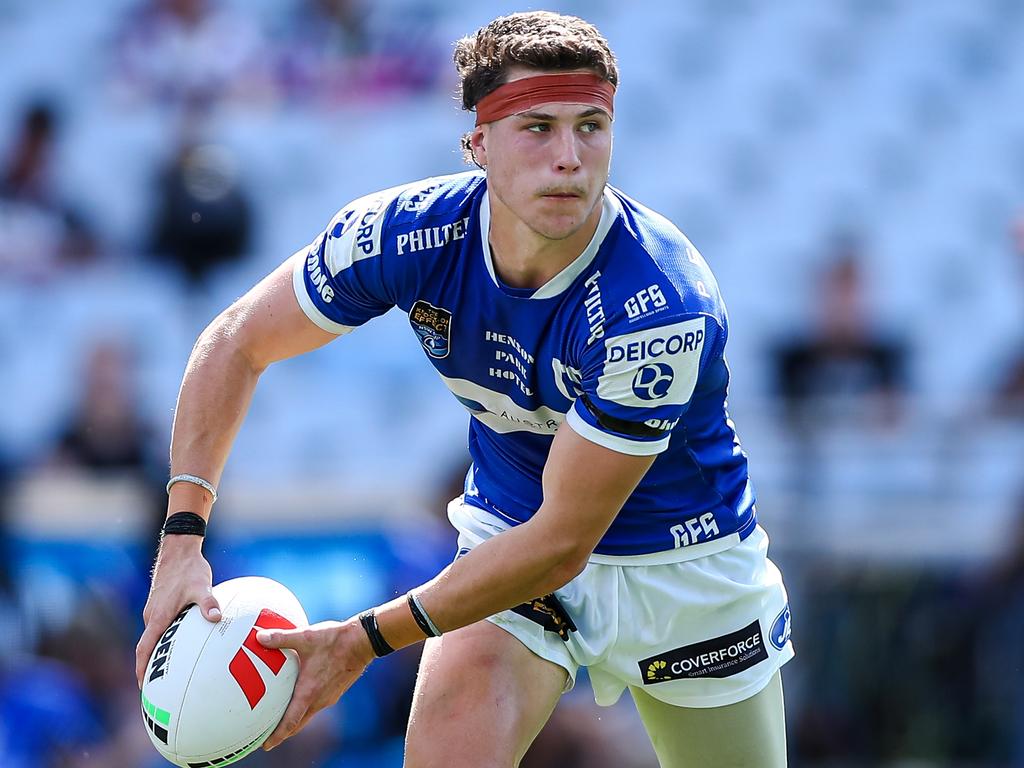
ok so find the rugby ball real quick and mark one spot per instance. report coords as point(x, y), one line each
point(212, 694)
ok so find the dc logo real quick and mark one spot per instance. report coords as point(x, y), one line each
point(652, 382)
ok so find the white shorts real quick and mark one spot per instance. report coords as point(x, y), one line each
point(706, 632)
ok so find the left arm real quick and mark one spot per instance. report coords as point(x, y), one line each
point(585, 486)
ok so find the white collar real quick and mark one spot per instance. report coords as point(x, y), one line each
point(610, 209)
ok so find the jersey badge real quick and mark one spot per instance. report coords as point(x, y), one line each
point(433, 326)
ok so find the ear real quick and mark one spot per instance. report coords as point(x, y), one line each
point(478, 144)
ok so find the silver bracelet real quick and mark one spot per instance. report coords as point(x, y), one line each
point(195, 480)
point(417, 606)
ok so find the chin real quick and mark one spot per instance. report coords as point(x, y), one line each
point(559, 231)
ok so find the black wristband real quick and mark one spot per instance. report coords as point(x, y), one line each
point(421, 620)
point(380, 646)
point(188, 523)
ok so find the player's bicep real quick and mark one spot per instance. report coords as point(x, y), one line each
point(268, 324)
point(585, 486)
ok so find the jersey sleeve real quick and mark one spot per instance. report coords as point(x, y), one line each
point(343, 281)
point(636, 387)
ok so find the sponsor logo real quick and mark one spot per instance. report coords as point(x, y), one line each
point(703, 528)
point(652, 382)
point(567, 379)
point(431, 237)
point(648, 349)
point(719, 657)
point(781, 629)
point(318, 277)
point(355, 234)
point(433, 326)
point(662, 425)
point(500, 412)
point(514, 354)
point(242, 668)
point(595, 310)
point(343, 224)
point(653, 367)
point(163, 649)
point(645, 301)
point(366, 235)
point(549, 613)
point(418, 200)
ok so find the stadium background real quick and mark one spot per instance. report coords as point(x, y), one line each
point(854, 172)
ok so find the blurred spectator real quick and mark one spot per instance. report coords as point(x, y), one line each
point(203, 215)
point(335, 52)
point(1008, 397)
point(173, 52)
point(105, 432)
point(106, 435)
point(844, 369)
point(95, 650)
point(41, 231)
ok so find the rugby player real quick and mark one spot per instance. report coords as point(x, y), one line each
point(608, 520)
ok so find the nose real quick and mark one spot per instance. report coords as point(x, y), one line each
point(567, 154)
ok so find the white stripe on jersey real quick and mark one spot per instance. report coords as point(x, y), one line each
point(502, 414)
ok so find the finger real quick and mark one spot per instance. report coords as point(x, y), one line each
point(210, 608)
point(281, 638)
point(144, 649)
point(305, 719)
point(293, 717)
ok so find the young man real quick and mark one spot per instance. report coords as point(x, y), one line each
point(607, 519)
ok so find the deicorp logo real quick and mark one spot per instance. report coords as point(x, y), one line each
point(653, 367)
point(652, 382)
point(242, 667)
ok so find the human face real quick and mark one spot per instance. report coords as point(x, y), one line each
point(548, 166)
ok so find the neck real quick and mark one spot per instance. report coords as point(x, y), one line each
point(522, 257)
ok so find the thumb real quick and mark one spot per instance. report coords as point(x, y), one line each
point(277, 638)
point(210, 608)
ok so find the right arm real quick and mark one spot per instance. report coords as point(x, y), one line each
point(265, 325)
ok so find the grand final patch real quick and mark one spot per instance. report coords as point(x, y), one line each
point(719, 657)
point(433, 326)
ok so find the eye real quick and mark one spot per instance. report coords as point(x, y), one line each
point(539, 127)
point(590, 126)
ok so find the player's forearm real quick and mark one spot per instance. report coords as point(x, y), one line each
point(215, 394)
point(518, 565)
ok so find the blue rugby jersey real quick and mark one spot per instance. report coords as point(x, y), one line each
point(625, 344)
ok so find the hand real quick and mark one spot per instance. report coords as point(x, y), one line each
point(181, 577)
point(332, 656)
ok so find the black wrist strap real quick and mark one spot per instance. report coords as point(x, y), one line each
point(188, 523)
point(380, 646)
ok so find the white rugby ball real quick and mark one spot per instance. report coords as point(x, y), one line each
point(212, 694)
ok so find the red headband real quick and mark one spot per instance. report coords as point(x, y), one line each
point(528, 92)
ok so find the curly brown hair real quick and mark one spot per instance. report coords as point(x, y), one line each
point(537, 39)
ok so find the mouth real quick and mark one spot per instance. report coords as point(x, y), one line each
point(561, 196)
